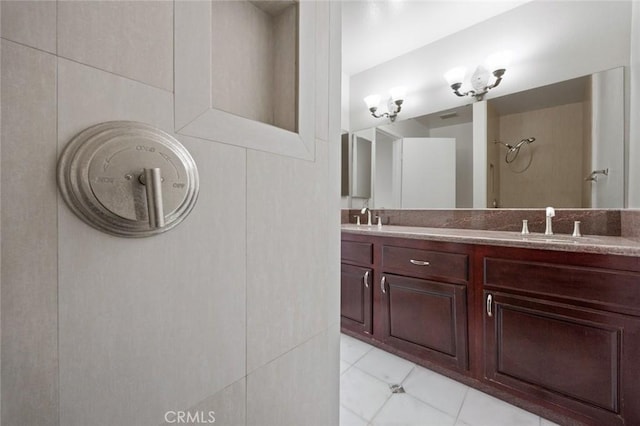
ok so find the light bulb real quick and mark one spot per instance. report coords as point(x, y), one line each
point(398, 93)
point(455, 75)
point(372, 101)
point(498, 61)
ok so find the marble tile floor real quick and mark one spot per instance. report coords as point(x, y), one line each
point(429, 399)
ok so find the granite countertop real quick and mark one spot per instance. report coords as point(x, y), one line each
point(559, 242)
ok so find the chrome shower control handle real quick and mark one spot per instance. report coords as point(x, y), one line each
point(153, 186)
point(128, 179)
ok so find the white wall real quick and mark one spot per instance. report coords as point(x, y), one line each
point(344, 104)
point(551, 42)
point(231, 311)
point(480, 137)
point(384, 177)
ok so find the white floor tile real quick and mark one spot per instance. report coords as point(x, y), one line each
point(437, 390)
point(349, 418)
point(404, 410)
point(461, 423)
point(545, 422)
point(362, 393)
point(385, 366)
point(480, 409)
point(344, 366)
point(352, 349)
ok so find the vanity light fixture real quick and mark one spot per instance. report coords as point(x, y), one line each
point(394, 104)
point(497, 63)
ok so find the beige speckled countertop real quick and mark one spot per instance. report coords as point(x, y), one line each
point(560, 242)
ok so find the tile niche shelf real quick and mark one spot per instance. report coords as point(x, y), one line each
point(251, 85)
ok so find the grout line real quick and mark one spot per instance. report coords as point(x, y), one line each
point(75, 61)
point(246, 287)
point(27, 46)
point(464, 399)
point(57, 221)
point(351, 411)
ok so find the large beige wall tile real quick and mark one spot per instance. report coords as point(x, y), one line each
point(242, 60)
point(296, 388)
point(89, 96)
point(228, 406)
point(153, 324)
point(29, 237)
point(32, 23)
point(130, 38)
point(286, 252)
point(284, 89)
point(555, 176)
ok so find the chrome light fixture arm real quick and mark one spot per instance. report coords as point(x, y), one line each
point(479, 95)
point(394, 109)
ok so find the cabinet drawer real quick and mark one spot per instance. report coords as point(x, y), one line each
point(426, 264)
point(357, 252)
point(617, 291)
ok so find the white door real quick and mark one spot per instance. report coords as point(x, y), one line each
point(428, 173)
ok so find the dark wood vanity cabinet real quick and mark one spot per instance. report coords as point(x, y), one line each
point(562, 330)
point(423, 301)
point(356, 287)
point(557, 333)
point(408, 295)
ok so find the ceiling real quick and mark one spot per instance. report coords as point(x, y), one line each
point(375, 31)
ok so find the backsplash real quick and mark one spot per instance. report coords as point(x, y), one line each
point(593, 221)
point(630, 220)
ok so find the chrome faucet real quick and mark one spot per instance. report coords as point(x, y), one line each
point(550, 213)
point(368, 211)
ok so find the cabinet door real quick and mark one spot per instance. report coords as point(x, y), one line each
point(581, 359)
point(355, 298)
point(426, 318)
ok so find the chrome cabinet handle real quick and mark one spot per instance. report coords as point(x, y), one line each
point(489, 305)
point(153, 186)
point(382, 283)
point(366, 279)
point(419, 262)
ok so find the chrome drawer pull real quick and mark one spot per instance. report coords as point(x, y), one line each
point(419, 262)
point(366, 279)
point(489, 305)
point(382, 282)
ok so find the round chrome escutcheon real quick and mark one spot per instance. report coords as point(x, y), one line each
point(101, 175)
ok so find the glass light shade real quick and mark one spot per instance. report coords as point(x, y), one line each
point(455, 75)
point(398, 93)
point(372, 101)
point(498, 61)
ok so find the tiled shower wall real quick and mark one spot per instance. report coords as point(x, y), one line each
point(232, 311)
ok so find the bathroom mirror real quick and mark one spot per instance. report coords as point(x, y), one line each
point(551, 42)
point(578, 127)
point(247, 85)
